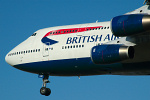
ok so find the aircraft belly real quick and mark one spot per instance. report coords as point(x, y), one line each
point(84, 66)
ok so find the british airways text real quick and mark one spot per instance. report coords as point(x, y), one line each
point(93, 38)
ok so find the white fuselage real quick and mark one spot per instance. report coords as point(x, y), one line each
point(70, 46)
point(64, 49)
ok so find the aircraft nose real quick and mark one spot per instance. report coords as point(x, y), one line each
point(8, 59)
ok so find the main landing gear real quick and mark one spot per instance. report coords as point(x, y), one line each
point(45, 91)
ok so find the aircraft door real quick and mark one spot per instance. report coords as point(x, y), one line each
point(46, 49)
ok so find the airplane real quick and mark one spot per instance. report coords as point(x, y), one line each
point(117, 47)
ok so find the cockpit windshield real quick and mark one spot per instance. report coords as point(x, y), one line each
point(34, 34)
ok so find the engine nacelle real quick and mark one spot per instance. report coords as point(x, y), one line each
point(126, 25)
point(107, 54)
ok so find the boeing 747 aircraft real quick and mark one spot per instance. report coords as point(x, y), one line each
point(117, 47)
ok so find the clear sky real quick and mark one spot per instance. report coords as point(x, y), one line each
point(21, 18)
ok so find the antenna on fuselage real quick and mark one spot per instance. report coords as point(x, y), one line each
point(97, 21)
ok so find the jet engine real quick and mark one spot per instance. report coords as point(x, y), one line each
point(126, 25)
point(107, 54)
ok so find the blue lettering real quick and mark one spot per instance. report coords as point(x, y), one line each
point(84, 38)
point(98, 37)
point(88, 38)
point(69, 40)
point(92, 38)
point(116, 38)
point(74, 40)
point(112, 37)
point(107, 37)
point(79, 40)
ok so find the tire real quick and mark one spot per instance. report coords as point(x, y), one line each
point(48, 92)
point(43, 90)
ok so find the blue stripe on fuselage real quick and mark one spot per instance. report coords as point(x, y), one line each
point(78, 67)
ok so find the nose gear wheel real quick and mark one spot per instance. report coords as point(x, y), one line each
point(45, 91)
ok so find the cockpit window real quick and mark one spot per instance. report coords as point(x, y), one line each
point(34, 34)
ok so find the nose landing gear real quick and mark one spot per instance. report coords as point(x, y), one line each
point(45, 91)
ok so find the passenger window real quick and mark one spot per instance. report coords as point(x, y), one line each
point(50, 32)
point(28, 51)
point(46, 49)
point(76, 46)
point(38, 50)
point(33, 50)
point(105, 28)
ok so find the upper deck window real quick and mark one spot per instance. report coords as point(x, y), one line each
point(34, 34)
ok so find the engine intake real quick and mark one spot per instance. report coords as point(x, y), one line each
point(107, 54)
point(126, 25)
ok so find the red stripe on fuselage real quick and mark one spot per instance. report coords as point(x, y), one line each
point(71, 30)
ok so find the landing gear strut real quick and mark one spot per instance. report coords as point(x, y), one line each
point(45, 91)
